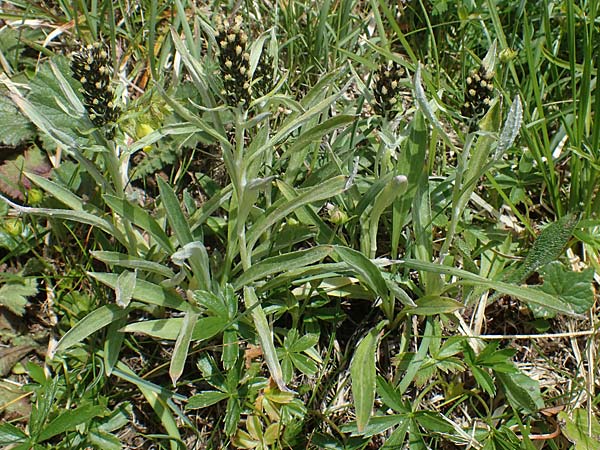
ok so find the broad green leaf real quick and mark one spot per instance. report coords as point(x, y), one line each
point(13, 295)
point(132, 262)
point(15, 127)
point(9, 434)
point(376, 425)
point(182, 345)
point(168, 329)
point(205, 398)
point(363, 376)
point(431, 305)
point(305, 364)
point(434, 422)
point(367, 272)
point(146, 292)
point(484, 380)
point(522, 392)
point(577, 429)
point(196, 252)
point(94, 321)
point(68, 420)
point(417, 362)
point(136, 215)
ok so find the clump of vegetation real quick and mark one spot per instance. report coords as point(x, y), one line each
point(237, 255)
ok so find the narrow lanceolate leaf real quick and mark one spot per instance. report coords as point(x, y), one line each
point(265, 336)
point(66, 214)
point(68, 420)
point(140, 218)
point(57, 191)
point(182, 345)
point(146, 292)
point(511, 128)
point(364, 268)
point(325, 190)
point(364, 377)
point(282, 263)
point(425, 107)
point(94, 321)
point(132, 262)
point(174, 214)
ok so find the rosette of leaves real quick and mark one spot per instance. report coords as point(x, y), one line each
point(91, 66)
point(234, 60)
point(479, 92)
point(386, 88)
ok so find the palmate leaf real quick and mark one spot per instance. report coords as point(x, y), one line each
point(574, 289)
point(14, 295)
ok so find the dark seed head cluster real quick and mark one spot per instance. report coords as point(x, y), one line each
point(234, 60)
point(386, 88)
point(91, 66)
point(262, 80)
point(478, 94)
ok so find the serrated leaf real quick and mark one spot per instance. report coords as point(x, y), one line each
point(15, 126)
point(48, 98)
point(574, 289)
point(14, 295)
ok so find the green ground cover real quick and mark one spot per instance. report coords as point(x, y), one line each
point(293, 224)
